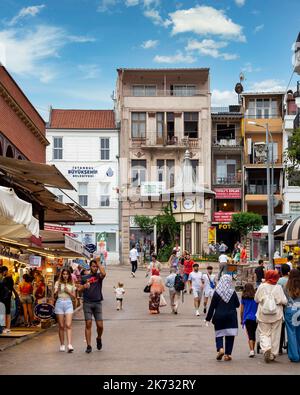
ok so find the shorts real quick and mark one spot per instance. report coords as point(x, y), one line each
point(91, 309)
point(7, 304)
point(120, 299)
point(197, 293)
point(26, 299)
point(64, 306)
point(208, 293)
point(251, 326)
point(185, 277)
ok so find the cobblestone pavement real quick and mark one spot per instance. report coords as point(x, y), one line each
point(135, 342)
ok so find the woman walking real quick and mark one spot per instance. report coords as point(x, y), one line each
point(26, 298)
point(270, 299)
point(157, 288)
point(292, 315)
point(64, 289)
point(248, 316)
point(174, 295)
point(223, 313)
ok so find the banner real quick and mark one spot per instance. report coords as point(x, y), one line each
point(212, 235)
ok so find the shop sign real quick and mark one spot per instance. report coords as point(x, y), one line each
point(153, 188)
point(212, 234)
point(57, 228)
point(73, 245)
point(256, 235)
point(6, 252)
point(222, 216)
point(44, 311)
point(224, 227)
point(83, 171)
point(35, 260)
point(228, 193)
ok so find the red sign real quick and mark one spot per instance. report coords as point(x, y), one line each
point(224, 217)
point(228, 193)
point(57, 228)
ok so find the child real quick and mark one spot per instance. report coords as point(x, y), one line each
point(209, 286)
point(119, 295)
point(248, 315)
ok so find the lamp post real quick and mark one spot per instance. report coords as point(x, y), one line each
point(270, 193)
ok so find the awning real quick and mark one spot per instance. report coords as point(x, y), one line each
point(280, 233)
point(47, 175)
point(292, 233)
point(16, 217)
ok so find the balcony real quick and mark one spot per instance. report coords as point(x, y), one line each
point(166, 93)
point(152, 141)
point(231, 180)
point(258, 189)
point(261, 161)
point(231, 145)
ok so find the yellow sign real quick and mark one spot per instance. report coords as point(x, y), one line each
point(224, 226)
point(280, 261)
point(212, 235)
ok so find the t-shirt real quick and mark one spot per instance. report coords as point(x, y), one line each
point(290, 264)
point(196, 279)
point(260, 273)
point(94, 292)
point(206, 278)
point(133, 254)
point(9, 283)
point(223, 258)
point(188, 266)
point(119, 293)
point(25, 288)
point(250, 309)
point(170, 281)
point(283, 281)
point(62, 294)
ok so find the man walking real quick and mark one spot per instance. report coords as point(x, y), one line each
point(133, 256)
point(223, 261)
point(223, 248)
point(91, 285)
point(197, 281)
point(174, 295)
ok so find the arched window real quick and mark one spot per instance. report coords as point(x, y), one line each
point(9, 152)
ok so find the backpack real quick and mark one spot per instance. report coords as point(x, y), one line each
point(179, 283)
point(269, 306)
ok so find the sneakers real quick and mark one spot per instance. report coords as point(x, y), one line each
point(62, 348)
point(88, 349)
point(267, 356)
point(197, 313)
point(99, 343)
point(251, 354)
point(70, 348)
point(6, 330)
point(133, 274)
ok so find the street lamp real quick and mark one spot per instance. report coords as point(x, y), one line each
point(270, 195)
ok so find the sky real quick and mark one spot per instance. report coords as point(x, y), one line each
point(65, 53)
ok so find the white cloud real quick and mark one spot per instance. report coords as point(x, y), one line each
point(270, 85)
point(28, 51)
point(205, 20)
point(149, 44)
point(105, 5)
point(240, 3)
point(178, 58)
point(258, 28)
point(81, 39)
point(223, 98)
point(248, 68)
point(210, 48)
point(156, 18)
point(27, 11)
point(131, 3)
point(89, 71)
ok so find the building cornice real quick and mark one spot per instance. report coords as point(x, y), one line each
point(22, 115)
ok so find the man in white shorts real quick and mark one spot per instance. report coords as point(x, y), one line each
point(197, 284)
point(209, 285)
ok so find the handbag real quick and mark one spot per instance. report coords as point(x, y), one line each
point(147, 288)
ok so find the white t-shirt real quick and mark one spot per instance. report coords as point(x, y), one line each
point(290, 264)
point(212, 277)
point(196, 279)
point(119, 293)
point(133, 255)
point(223, 258)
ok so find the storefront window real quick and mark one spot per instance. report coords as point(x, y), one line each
point(111, 244)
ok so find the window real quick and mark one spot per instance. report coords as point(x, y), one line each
point(225, 133)
point(104, 148)
point(183, 90)
point(57, 148)
point(226, 171)
point(191, 124)
point(295, 207)
point(160, 127)
point(263, 108)
point(170, 126)
point(104, 194)
point(160, 170)
point(138, 125)
point(166, 172)
point(144, 90)
point(83, 194)
point(195, 164)
point(111, 243)
point(138, 172)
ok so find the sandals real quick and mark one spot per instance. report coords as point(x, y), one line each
point(227, 358)
point(220, 354)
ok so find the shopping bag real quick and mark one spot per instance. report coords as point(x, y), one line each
point(163, 301)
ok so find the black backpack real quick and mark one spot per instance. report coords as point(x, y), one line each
point(179, 283)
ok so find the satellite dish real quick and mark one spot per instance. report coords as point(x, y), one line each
point(239, 88)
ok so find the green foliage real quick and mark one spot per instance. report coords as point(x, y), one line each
point(245, 223)
point(167, 227)
point(292, 157)
point(165, 253)
point(145, 223)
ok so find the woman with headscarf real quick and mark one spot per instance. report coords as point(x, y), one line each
point(271, 299)
point(157, 288)
point(223, 313)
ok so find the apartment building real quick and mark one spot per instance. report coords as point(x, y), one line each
point(165, 118)
point(227, 162)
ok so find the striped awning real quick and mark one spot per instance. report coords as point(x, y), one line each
point(292, 233)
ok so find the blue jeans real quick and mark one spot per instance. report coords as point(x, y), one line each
point(292, 323)
point(229, 341)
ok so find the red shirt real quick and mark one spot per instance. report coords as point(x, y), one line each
point(188, 266)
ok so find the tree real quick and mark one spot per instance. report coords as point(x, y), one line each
point(245, 223)
point(292, 158)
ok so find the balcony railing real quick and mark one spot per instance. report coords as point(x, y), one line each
point(255, 189)
point(249, 160)
point(152, 140)
point(228, 143)
point(235, 179)
point(165, 93)
point(227, 109)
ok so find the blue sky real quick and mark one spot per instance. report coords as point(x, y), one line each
point(65, 53)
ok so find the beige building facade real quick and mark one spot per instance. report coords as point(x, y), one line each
point(164, 117)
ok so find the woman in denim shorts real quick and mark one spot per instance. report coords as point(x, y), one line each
point(26, 298)
point(64, 290)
